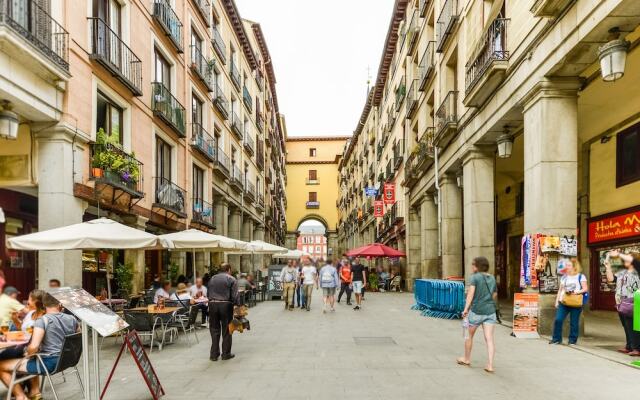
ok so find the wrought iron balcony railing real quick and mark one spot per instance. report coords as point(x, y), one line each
point(492, 47)
point(259, 120)
point(202, 212)
point(412, 98)
point(446, 22)
point(112, 166)
point(249, 143)
point(202, 67)
point(246, 98)
point(170, 197)
point(236, 180)
point(221, 102)
point(222, 162)
point(250, 191)
point(311, 205)
point(427, 64)
point(168, 108)
point(169, 22)
point(235, 74)
point(204, 8)
point(260, 155)
point(447, 113)
point(202, 141)
point(218, 44)
point(236, 125)
point(424, 6)
point(29, 20)
point(413, 31)
point(109, 50)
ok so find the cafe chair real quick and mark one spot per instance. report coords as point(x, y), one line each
point(187, 322)
point(145, 324)
point(69, 358)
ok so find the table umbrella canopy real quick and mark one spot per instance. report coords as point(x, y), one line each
point(292, 254)
point(197, 239)
point(260, 247)
point(101, 233)
point(374, 250)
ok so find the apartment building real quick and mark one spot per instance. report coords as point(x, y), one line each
point(161, 114)
point(499, 119)
point(314, 243)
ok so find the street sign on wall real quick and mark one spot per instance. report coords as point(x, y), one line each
point(370, 192)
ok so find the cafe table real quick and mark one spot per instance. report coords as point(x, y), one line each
point(165, 315)
point(4, 346)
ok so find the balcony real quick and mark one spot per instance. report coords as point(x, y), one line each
point(235, 74)
point(169, 22)
point(310, 181)
point(112, 53)
point(549, 8)
point(236, 125)
point(249, 144)
point(412, 99)
point(426, 67)
point(260, 155)
point(168, 108)
point(204, 8)
point(235, 181)
point(260, 80)
point(259, 120)
point(221, 163)
point(312, 205)
point(202, 141)
point(218, 45)
point(220, 102)
point(260, 202)
point(169, 198)
point(417, 162)
point(447, 117)
point(401, 92)
point(202, 68)
point(424, 6)
point(250, 192)
point(246, 99)
point(118, 176)
point(398, 154)
point(446, 23)
point(202, 213)
point(413, 31)
point(488, 65)
point(35, 29)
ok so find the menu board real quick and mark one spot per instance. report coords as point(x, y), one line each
point(88, 309)
point(526, 307)
point(134, 345)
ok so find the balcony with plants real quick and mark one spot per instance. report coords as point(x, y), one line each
point(169, 22)
point(202, 67)
point(202, 141)
point(169, 198)
point(488, 64)
point(418, 161)
point(166, 107)
point(218, 44)
point(220, 102)
point(202, 213)
point(427, 65)
point(113, 167)
point(246, 98)
point(108, 49)
point(447, 21)
point(235, 74)
point(237, 125)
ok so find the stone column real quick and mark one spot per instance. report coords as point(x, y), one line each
point(57, 206)
point(246, 262)
point(551, 166)
point(221, 220)
point(414, 256)
point(429, 237)
point(235, 221)
point(291, 240)
point(451, 230)
point(258, 234)
point(478, 199)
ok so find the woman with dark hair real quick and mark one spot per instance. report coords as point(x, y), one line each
point(480, 309)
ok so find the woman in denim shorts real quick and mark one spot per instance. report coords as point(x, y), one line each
point(480, 309)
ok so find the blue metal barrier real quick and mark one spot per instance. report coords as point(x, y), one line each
point(439, 298)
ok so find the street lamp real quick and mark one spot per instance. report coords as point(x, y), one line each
point(505, 145)
point(8, 122)
point(459, 178)
point(613, 56)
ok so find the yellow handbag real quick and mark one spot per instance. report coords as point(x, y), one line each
point(573, 300)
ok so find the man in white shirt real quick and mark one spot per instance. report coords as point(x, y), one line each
point(198, 290)
point(289, 277)
point(310, 278)
point(163, 292)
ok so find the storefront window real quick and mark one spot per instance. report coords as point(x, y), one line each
point(605, 291)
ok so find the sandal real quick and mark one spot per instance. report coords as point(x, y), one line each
point(36, 397)
point(460, 361)
point(491, 371)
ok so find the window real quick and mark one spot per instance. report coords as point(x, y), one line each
point(196, 110)
point(198, 183)
point(318, 249)
point(312, 152)
point(109, 117)
point(313, 174)
point(109, 12)
point(313, 197)
point(162, 69)
point(163, 160)
point(196, 46)
point(627, 160)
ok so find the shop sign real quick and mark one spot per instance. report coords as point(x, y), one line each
point(370, 192)
point(378, 208)
point(526, 308)
point(389, 194)
point(614, 228)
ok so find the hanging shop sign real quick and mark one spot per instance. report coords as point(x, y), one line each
point(378, 208)
point(389, 194)
point(616, 227)
point(370, 192)
point(526, 309)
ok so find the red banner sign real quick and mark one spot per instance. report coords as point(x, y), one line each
point(389, 193)
point(614, 228)
point(378, 208)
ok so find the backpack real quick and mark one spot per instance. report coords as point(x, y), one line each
point(327, 276)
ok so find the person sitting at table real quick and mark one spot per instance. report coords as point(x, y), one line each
point(182, 294)
point(49, 333)
point(199, 295)
point(163, 292)
point(54, 283)
point(9, 305)
point(36, 310)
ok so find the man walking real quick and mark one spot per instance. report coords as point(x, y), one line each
point(309, 279)
point(223, 294)
point(289, 277)
point(329, 282)
point(359, 279)
point(345, 281)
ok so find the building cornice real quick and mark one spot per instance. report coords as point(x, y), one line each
point(268, 62)
point(238, 27)
point(311, 162)
point(317, 138)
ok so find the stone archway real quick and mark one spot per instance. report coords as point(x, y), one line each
point(331, 235)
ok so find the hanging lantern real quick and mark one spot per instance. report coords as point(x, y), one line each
point(459, 178)
point(505, 145)
point(8, 122)
point(613, 56)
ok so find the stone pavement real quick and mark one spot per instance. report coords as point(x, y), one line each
point(384, 351)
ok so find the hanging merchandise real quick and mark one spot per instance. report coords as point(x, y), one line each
point(549, 282)
point(550, 244)
point(562, 266)
point(389, 194)
point(524, 260)
point(534, 252)
point(569, 246)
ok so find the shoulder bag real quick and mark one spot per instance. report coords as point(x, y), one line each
point(495, 305)
point(574, 300)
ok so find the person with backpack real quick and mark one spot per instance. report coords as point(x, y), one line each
point(345, 281)
point(480, 309)
point(569, 301)
point(289, 278)
point(329, 281)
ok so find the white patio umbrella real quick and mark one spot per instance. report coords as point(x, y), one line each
point(261, 247)
point(292, 254)
point(197, 239)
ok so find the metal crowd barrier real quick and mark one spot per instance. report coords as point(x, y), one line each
point(439, 298)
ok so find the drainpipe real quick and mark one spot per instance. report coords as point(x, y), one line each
point(437, 172)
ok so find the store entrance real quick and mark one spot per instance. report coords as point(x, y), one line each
point(604, 292)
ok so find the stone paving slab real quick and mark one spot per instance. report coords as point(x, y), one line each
point(310, 355)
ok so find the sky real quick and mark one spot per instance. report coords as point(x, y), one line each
point(321, 53)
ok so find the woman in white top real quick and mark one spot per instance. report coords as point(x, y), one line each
point(573, 283)
point(182, 293)
point(36, 310)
